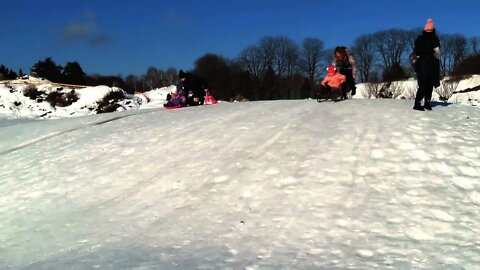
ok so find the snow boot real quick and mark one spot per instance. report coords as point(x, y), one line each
point(418, 106)
point(427, 106)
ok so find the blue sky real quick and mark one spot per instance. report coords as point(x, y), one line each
point(126, 37)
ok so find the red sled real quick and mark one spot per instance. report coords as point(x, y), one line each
point(173, 107)
point(209, 100)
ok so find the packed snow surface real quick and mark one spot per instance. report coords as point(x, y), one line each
point(358, 184)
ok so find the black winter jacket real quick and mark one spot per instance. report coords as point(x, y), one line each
point(424, 45)
point(195, 84)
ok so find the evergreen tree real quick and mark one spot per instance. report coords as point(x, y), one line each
point(3, 72)
point(48, 69)
point(111, 81)
point(73, 73)
point(7, 74)
point(12, 75)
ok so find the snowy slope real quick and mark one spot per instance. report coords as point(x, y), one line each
point(15, 104)
point(359, 184)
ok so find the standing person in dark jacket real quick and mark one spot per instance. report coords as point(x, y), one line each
point(427, 49)
point(193, 87)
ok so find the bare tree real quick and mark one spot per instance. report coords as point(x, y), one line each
point(171, 76)
point(446, 61)
point(152, 78)
point(364, 52)
point(474, 44)
point(311, 56)
point(268, 51)
point(286, 56)
point(252, 60)
point(454, 50)
point(412, 36)
point(133, 82)
point(289, 55)
point(280, 54)
point(459, 49)
point(391, 45)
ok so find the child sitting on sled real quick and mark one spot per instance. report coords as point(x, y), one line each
point(177, 99)
point(331, 87)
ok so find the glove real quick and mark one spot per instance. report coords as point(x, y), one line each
point(436, 52)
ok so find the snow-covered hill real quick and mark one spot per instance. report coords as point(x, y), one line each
point(39, 98)
point(359, 184)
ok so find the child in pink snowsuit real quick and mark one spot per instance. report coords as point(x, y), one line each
point(331, 87)
point(334, 79)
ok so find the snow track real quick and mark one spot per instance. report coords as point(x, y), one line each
point(361, 184)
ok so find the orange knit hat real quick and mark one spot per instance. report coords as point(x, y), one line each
point(429, 25)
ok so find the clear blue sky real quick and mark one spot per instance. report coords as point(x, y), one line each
point(126, 37)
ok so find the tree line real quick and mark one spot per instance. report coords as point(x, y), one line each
point(278, 68)
point(72, 73)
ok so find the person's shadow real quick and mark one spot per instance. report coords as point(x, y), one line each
point(440, 103)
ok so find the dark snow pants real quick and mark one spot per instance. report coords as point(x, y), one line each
point(349, 85)
point(426, 77)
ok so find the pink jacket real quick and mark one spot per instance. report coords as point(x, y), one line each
point(334, 80)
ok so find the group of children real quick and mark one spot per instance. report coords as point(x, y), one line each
point(191, 91)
